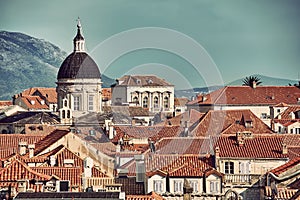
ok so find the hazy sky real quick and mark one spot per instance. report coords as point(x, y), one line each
point(239, 38)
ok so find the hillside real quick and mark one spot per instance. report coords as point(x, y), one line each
point(266, 80)
point(27, 62)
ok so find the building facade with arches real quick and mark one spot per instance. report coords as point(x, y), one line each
point(147, 91)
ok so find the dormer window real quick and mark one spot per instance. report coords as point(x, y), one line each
point(150, 81)
point(138, 81)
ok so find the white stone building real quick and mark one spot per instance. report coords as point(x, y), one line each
point(78, 83)
point(148, 91)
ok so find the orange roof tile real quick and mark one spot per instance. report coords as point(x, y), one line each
point(9, 142)
point(288, 111)
point(245, 95)
point(283, 168)
point(180, 101)
point(153, 132)
point(106, 93)
point(34, 102)
point(49, 140)
point(151, 196)
point(48, 93)
point(260, 146)
point(5, 103)
point(216, 122)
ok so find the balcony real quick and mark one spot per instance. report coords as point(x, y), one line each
point(241, 179)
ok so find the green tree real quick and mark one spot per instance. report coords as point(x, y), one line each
point(250, 80)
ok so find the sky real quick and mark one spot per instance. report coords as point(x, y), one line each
point(191, 43)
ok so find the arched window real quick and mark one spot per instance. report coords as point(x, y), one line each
point(145, 102)
point(63, 114)
point(65, 103)
point(166, 102)
point(155, 102)
point(69, 114)
point(135, 100)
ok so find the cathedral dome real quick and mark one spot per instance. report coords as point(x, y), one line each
point(78, 64)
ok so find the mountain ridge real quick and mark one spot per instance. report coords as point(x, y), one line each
point(27, 62)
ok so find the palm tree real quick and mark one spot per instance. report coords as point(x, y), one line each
point(249, 81)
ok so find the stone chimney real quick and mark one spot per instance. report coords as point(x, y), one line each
point(22, 148)
point(88, 165)
point(52, 161)
point(31, 148)
point(284, 148)
point(240, 140)
point(140, 168)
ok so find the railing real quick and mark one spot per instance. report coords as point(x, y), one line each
point(241, 179)
point(101, 181)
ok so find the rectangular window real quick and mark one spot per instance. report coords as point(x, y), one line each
point(291, 130)
point(214, 186)
point(229, 168)
point(297, 130)
point(158, 186)
point(91, 103)
point(178, 186)
point(76, 102)
point(194, 185)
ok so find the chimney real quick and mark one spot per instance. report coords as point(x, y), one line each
point(52, 161)
point(88, 165)
point(284, 148)
point(240, 140)
point(254, 84)
point(140, 168)
point(187, 190)
point(217, 152)
point(204, 97)
point(31, 148)
point(133, 122)
point(22, 148)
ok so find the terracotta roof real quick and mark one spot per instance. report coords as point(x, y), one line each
point(151, 196)
point(69, 195)
point(9, 142)
point(17, 170)
point(49, 94)
point(281, 104)
point(5, 103)
point(192, 116)
point(142, 80)
point(294, 152)
point(73, 174)
point(245, 95)
point(180, 101)
point(291, 140)
point(34, 102)
point(49, 140)
point(130, 186)
point(174, 165)
point(288, 111)
point(153, 132)
point(216, 122)
point(283, 168)
point(260, 146)
point(32, 117)
point(106, 93)
point(185, 145)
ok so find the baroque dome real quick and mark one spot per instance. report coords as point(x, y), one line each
point(78, 65)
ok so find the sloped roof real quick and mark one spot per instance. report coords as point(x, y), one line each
point(17, 170)
point(5, 103)
point(31, 117)
point(216, 122)
point(49, 140)
point(180, 101)
point(153, 132)
point(246, 95)
point(49, 94)
point(285, 167)
point(288, 111)
point(175, 165)
point(260, 146)
point(34, 102)
point(9, 142)
point(142, 80)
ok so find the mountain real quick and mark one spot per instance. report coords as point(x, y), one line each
point(267, 80)
point(27, 62)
